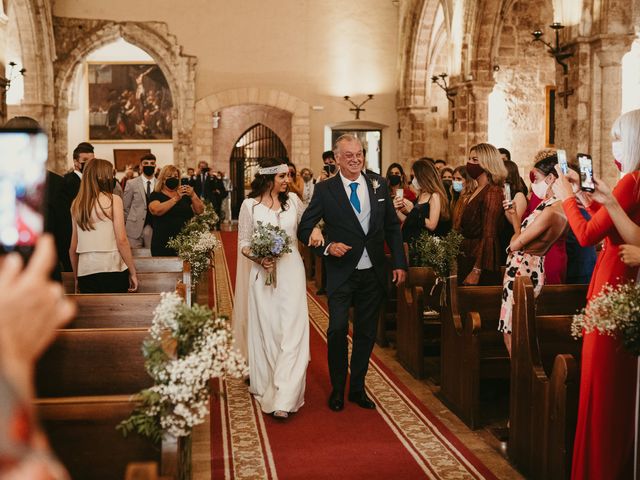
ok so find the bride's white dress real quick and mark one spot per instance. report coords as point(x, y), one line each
point(271, 324)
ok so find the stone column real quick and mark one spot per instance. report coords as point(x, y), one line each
point(471, 119)
point(610, 52)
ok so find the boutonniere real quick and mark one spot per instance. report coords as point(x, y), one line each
point(375, 184)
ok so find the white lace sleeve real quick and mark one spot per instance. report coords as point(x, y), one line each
point(245, 224)
point(298, 205)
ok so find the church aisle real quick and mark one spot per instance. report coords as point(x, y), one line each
point(401, 439)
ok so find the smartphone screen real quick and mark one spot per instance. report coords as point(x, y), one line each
point(507, 192)
point(562, 161)
point(22, 188)
point(586, 172)
point(184, 181)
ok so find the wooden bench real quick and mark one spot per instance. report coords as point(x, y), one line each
point(147, 282)
point(158, 264)
point(84, 362)
point(82, 433)
point(414, 329)
point(471, 348)
point(141, 252)
point(114, 310)
point(544, 379)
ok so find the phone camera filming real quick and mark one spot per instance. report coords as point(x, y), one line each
point(22, 183)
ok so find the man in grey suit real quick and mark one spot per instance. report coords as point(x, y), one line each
point(136, 198)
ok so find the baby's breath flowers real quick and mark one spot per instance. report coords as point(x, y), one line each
point(615, 312)
point(186, 347)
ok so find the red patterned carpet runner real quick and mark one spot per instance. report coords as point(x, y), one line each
point(402, 439)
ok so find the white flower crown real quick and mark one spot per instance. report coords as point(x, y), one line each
point(282, 168)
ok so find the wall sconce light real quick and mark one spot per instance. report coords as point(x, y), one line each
point(560, 53)
point(215, 119)
point(13, 75)
point(441, 81)
point(357, 108)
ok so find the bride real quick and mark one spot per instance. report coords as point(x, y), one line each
point(271, 322)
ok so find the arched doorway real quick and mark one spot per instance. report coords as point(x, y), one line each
point(257, 142)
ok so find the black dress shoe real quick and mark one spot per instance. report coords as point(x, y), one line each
point(362, 400)
point(336, 400)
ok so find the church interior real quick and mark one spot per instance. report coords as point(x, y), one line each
point(228, 84)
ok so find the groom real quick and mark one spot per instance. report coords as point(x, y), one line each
point(359, 216)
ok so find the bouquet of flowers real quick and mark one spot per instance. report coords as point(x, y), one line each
point(186, 347)
point(195, 243)
point(437, 253)
point(615, 311)
point(269, 241)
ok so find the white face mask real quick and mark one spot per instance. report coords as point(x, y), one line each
point(415, 184)
point(617, 148)
point(540, 189)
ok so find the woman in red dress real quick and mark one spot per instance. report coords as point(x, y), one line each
point(604, 439)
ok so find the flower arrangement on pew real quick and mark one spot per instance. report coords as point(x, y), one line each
point(440, 254)
point(615, 311)
point(269, 241)
point(186, 347)
point(196, 243)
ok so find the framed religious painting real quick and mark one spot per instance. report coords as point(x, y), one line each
point(128, 102)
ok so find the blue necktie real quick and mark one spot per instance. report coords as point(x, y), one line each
point(355, 201)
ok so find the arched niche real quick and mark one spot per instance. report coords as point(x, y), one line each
point(213, 105)
point(76, 38)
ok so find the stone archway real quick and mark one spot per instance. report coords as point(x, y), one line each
point(76, 38)
point(34, 24)
point(300, 126)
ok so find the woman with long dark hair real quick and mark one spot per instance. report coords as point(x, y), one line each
point(100, 254)
point(398, 187)
point(270, 322)
point(430, 212)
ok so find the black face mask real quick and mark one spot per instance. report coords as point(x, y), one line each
point(82, 166)
point(148, 170)
point(447, 183)
point(330, 168)
point(395, 180)
point(172, 183)
point(204, 170)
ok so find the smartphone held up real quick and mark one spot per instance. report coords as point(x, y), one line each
point(22, 188)
point(585, 165)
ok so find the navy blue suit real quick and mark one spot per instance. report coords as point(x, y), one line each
point(347, 286)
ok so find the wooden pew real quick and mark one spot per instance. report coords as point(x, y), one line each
point(158, 264)
point(84, 362)
point(544, 379)
point(471, 348)
point(82, 432)
point(414, 330)
point(141, 252)
point(148, 282)
point(114, 310)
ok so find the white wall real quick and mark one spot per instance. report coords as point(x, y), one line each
point(78, 121)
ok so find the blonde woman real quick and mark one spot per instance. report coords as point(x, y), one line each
point(100, 254)
point(172, 204)
point(483, 218)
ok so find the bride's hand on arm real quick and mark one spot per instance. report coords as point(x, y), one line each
point(316, 239)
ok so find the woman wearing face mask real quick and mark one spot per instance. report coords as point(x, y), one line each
point(531, 240)
point(430, 212)
point(172, 205)
point(604, 440)
point(462, 187)
point(446, 174)
point(556, 261)
point(100, 254)
point(398, 183)
point(482, 218)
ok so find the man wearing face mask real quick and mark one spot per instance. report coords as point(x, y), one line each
point(136, 198)
point(70, 188)
point(209, 187)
